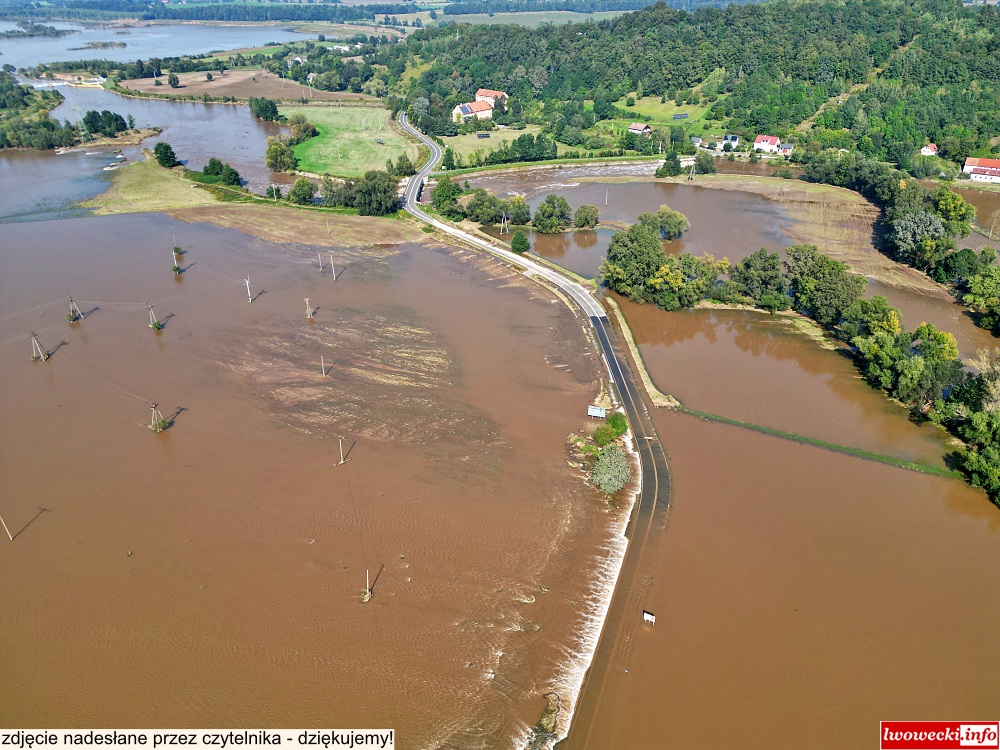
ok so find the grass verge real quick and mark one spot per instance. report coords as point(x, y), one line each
point(836, 448)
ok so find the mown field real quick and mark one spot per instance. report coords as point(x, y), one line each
point(468, 144)
point(346, 145)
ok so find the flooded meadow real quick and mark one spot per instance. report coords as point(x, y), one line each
point(214, 571)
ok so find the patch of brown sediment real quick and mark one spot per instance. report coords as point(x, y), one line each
point(240, 84)
point(286, 224)
point(837, 220)
point(241, 597)
point(380, 364)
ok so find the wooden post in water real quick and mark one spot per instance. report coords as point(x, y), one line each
point(333, 268)
point(319, 257)
point(6, 529)
point(309, 311)
point(322, 365)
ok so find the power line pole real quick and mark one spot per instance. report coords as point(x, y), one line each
point(309, 310)
point(75, 313)
point(6, 529)
point(249, 297)
point(38, 352)
point(157, 423)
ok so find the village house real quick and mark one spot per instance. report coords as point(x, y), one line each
point(769, 144)
point(785, 149)
point(696, 141)
point(465, 112)
point(930, 149)
point(640, 129)
point(491, 97)
point(982, 170)
point(732, 140)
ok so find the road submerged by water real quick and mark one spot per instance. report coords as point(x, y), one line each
point(649, 511)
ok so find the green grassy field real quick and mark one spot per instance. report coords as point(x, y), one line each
point(662, 115)
point(468, 144)
point(346, 145)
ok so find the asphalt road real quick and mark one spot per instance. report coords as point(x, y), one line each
point(649, 511)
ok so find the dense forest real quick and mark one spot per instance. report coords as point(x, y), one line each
point(575, 6)
point(24, 117)
point(933, 65)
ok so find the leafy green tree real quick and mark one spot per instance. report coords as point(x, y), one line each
point(704, 163)
point(586, 217)
point(671, 166)
point(229, 176)
point(954, 211)
point(553, 215)
point(684, 280)
point(612, 471)
point(214, 167)
point(758, 276)
point(448, 161)
point(404, 167)
point(604, 434)
point(672, 223)
point(867, 317)
point(444, 196)
point(821, 287)
point(909, 232)
point(484, 208)
point(984, 295)
point(208, 76)
point(326, 191)
point(279, 156)
point(519, 242)
point(164, 154)
point(376, 194)
point(633, 257)
point(520, 212)
point(173, 80)
point(618, 422)
point(264, 108)
point(302, 192)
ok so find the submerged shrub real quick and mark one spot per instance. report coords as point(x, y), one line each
point(611, 472)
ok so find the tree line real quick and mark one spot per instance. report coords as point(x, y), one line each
point(920, 368)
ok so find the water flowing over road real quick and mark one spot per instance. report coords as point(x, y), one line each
point(649, 512)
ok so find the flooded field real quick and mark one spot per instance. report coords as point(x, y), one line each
point(726, 222)
point(798, 593)
point(212, 574)
point(196, 131)
point(142, 42)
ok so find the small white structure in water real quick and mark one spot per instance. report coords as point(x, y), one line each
point(648, 617)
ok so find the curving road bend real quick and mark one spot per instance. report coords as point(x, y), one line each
point(649, 511)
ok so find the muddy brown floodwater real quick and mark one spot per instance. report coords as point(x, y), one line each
point(731, 223)
point(801, 596)
point(211, 575)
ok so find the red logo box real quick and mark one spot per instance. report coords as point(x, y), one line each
point(939, 735)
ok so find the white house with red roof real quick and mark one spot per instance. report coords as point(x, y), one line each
point(491, 97)
point(930, 149)
point(640, 128)
point(767, 143)
point(982, 170)
point(465, 112)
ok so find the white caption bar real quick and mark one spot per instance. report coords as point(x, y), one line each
point(221, 739)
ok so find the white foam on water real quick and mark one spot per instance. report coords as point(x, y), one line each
point(579, 654)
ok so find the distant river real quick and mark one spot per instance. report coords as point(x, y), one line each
point(142, 42)
point(196, 132)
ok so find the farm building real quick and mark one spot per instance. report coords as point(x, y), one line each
point(982, 170)
point(491, 97)
point(465, 112)
point(640, 129)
